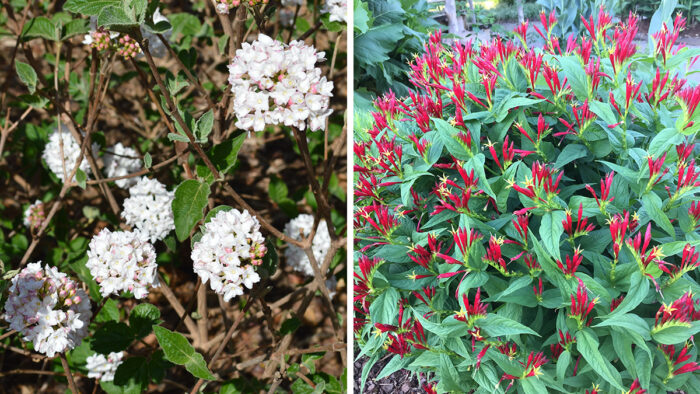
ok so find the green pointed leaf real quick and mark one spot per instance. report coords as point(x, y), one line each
point(179, 351)
point(551, 230)
point(191, 197)
point(27, 75)
point(588, 346)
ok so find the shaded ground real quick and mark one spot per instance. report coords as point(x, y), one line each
point(398, 382)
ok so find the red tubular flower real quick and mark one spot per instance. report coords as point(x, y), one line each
point(363, 282)
point(655, 167)
point(694, 212)
point(605, 185)
point(572, 264)
point(625, 47)
point(465, 239)
point(508, 349)
point(538, 291)
point(616, 302)
point(581, 305)
point(689, 262)
point(618, 228)
point(534, 362)
point(481, 355)
point(397, 344)
point(584, 50)
point(566, 340)
point(494, 256)
point(425, 295)
point(593, 71)
point(582, 226)
point(689, 99)
point(583, 116)
point(665, 39)
point(430, 388)
point(631, 91)
point(532, 264)
point(417, 336)
point(556, 350)
point(687, 178)
point(680, 312)
point(552, 78)
point(385, 222)
point(636, 388)
point(521, 32)
point(471, 313)
point(476, 99)
point(639, 249)
point(367, 187)
point(684, 151)
point(674, 360)
point(532, 62)
point(521, 226)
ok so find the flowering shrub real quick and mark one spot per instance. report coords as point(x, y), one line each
point(151, 153)
point(527, 218)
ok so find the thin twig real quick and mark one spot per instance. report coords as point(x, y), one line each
point(69, 375)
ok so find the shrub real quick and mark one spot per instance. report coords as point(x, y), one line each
point(528, 217)
point(387, 34)
point(151, 154)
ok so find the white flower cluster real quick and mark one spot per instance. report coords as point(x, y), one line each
point(119, 161)
point(71, 152)
point(149, 209)
point(338, 10)
point(230, 247)
point(223, 6)
point(34, 216)
point(276, 84)
point(103, 368)
point(122, 261)
point(48, 309)
point(299, 228)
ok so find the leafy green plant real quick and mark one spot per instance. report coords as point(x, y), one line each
point(387, 34)
point(527, 219)
point(105, 99)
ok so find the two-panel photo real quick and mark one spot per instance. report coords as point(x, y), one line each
point(324, 196)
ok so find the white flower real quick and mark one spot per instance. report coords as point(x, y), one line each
point(230, 247)
point(103, 368)
point(222, 8)
point(71, 152)
point(122, 261)
point(337, 9)
point(299, 228)
point(47, 308)
point(120, 161)
point(34, 216)
point(271, 80)
point(149, 209)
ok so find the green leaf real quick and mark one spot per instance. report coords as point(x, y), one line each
point(147, 160)
point(81, 178)
point(115, 16)
point(27, 75)
point(179, 351)
point(41, 27)
point(225, 154)
point(142, 318)
point(109, 312)
point(588, 346)
point(652, 205)
point(551, 230)
point(663, 140)
point(674, 333)
point(191, 198)
point(628, 321)
point(277, 190)
point(376, 43)
point(496, 325)
point(639, 287)
point(88, 7)
point(112, 337)
point(570, 153)
point(204, 126)
point(132, 374)
point(74, 28)
point(576, 75)
point(361, 16)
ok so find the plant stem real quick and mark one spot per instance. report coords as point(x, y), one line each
point(69, 376)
